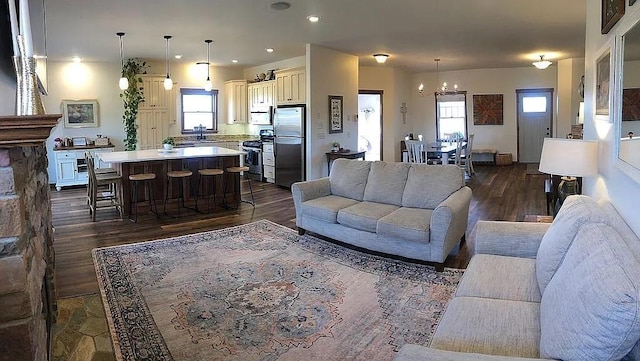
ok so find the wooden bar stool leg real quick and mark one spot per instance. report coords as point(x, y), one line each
point(152, 200)
point(134, 203)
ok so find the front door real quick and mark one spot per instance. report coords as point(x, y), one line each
point(535, 116)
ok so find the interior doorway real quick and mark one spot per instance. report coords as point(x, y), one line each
point(370, 123)
point(535, 119)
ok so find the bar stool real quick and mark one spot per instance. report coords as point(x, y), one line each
point(146, 178)
point(114, 196)
point(98, 171)
point(215, 174)
point(181, 175)
point(233, 171)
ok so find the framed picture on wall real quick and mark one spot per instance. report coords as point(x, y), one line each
point(612, 11)
point(603, 86)
point(335, 113)
point(80, 113)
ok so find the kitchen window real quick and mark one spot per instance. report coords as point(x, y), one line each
point(199, 108)
point(451, 115)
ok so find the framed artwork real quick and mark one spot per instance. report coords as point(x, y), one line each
point(612, 11)
point(630, 104)
point(603, 86)
point(335, 113)
point(488, 109)
point(80, 113)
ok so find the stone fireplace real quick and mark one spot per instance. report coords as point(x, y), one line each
point(27, 288)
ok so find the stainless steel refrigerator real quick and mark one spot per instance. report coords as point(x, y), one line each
point(289, 144)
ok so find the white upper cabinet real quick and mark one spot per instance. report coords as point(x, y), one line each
point(290, 87)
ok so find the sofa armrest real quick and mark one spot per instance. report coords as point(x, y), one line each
point(449, 223)
point(410, 352)
point(308, 190)
point(515, 239)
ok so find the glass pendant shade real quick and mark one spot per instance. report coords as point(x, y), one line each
point(123, 83)
point(207, 85)
point(168, 83)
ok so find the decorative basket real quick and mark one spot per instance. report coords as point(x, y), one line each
point(504, 159)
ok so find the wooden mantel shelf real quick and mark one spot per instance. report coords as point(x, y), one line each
point(26, 130)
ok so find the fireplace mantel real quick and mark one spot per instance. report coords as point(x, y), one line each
point(26, 130)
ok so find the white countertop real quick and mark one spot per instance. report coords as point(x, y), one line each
point(160, 154)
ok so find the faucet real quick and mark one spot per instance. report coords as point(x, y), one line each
point(200, 129)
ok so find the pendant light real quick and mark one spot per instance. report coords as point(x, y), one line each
point(443, 89)
point(168, 83)
point(124, 82)
point(207, 85)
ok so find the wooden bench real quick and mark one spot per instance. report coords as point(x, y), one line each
point(480, 155)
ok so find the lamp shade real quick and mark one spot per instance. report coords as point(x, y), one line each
point(569, 157)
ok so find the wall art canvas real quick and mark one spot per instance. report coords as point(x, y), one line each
point(80, 113)
point(488, 109)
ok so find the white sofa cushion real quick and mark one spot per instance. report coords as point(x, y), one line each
point(500, 277)
point(591, 308)
point(364, 215)
point(326, 208)
point(575, 211)
point(429, 185)
point(349, 179)
point(406, 223)
point(386, 182)
point(489, 326)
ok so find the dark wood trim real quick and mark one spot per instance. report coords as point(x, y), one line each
point(26, 130)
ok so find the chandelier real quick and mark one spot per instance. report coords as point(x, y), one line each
point(444, 88)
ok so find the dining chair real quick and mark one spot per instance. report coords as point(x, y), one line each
point(415, 150)
point(467, 156)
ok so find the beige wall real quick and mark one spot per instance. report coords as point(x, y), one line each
point(329, 72)
point(569, 73)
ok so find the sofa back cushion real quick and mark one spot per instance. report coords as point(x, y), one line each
point(349, 178)
point(575, 211)
point(386, 182)
point(591, 308)
point(429, 185)
point(616, 221)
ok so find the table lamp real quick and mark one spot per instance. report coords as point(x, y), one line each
point(569, 158)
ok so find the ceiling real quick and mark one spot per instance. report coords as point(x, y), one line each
point(465, 34)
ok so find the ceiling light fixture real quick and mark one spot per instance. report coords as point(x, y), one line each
point(178, 56)
point(443, 90)
point(280, 5)
point(168, 83)
point(76, 59)
point(269, 50)
point(235, 61)
point(313, 18)
point(381, 58)
point(541, 64)
point(207, 85)
point(124, 82)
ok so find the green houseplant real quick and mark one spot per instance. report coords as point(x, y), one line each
point(132, 96)
point(168, 143)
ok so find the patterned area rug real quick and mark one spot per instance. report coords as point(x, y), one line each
point(261, 292)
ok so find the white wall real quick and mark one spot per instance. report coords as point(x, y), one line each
point(480, 81)
point(612, 183)
point(329, 72)
point(568, 99)
point(7, 94)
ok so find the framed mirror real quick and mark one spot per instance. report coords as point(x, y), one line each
point(627, 121)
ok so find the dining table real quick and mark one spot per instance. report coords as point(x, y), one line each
point(161, 161)
point(445, 150)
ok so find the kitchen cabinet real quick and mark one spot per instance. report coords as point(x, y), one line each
point(261, 94)
point(155, 96)
point(236, 95)
point(268, 163)
point(71, 166)
point(152, 128)
point(291, 87)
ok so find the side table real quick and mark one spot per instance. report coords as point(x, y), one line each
point(331, 156)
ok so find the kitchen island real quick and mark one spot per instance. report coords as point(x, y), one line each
point(160, 162)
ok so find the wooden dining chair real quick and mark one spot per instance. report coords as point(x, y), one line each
point(415, 150)
point(466, 157)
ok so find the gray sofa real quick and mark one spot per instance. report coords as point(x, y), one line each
point(569, 290)
point(416, 211)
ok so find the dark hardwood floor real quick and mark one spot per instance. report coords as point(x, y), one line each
point(499, 193)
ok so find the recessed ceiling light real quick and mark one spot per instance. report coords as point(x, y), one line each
point(280, 5)
point(178, 56)
point(76, 59)
point(234, 61)
point(269, 50)
point(381, 58)
point(313, 18)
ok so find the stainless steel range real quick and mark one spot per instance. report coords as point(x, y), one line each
point(253, 158)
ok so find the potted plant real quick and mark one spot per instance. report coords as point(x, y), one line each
point(168, 143)
point(335, 146)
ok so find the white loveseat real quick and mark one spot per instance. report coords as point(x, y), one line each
point(416, 211)
point(565, 291)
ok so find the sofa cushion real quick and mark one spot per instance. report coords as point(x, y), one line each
point(386, 182)
point(575, 211)
point(406, 223)
point(489, 326)
point(591, 308)
point(349, 178)
point(364, 215)
point(500, 277)
point(428, 185)
point(326, 208)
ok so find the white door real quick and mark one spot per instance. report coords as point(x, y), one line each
point(535, 109)
point(370, 124)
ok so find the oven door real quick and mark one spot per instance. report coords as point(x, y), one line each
point(253, 160)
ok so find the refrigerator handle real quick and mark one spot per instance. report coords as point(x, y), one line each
point(274, 145)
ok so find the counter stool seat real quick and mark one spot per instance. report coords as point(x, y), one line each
point(137, 178)
point(113, 196)
point(233, 171)
point(180, 175)
point(209, 172)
